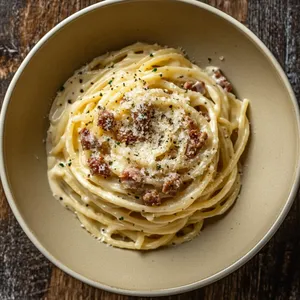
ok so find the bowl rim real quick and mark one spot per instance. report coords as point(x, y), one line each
point(174, 290)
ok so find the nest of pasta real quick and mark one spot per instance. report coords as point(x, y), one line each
point(144, 145)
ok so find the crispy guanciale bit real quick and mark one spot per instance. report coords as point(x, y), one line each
point(126, 135)
point(197, 138)
point(132, 178)
point(172, 184)
point(152, 198)
point(88, 140)
point(222, 80)
point(142, 117)
point(196, 141)
point(106, 120)
point(191, 124)
point(198, 86)
point(98, 166)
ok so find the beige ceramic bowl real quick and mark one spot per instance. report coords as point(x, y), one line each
point(271, 170)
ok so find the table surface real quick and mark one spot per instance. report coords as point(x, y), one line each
point(274, 273)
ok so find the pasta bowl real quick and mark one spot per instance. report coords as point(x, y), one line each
point(271, 162)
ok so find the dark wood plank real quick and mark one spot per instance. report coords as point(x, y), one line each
point(236, 8)
point(26, 274)
point(274, 272)
point(277, 24)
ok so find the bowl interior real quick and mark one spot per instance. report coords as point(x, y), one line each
point(269, 168)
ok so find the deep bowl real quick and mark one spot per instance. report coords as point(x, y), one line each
point(271, 164)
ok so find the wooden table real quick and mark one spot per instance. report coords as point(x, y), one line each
point(25, 273)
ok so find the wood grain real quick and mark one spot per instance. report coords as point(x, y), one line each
point(26, 274)
point(236, 8)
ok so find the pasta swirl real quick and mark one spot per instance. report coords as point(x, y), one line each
point(144, 145)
